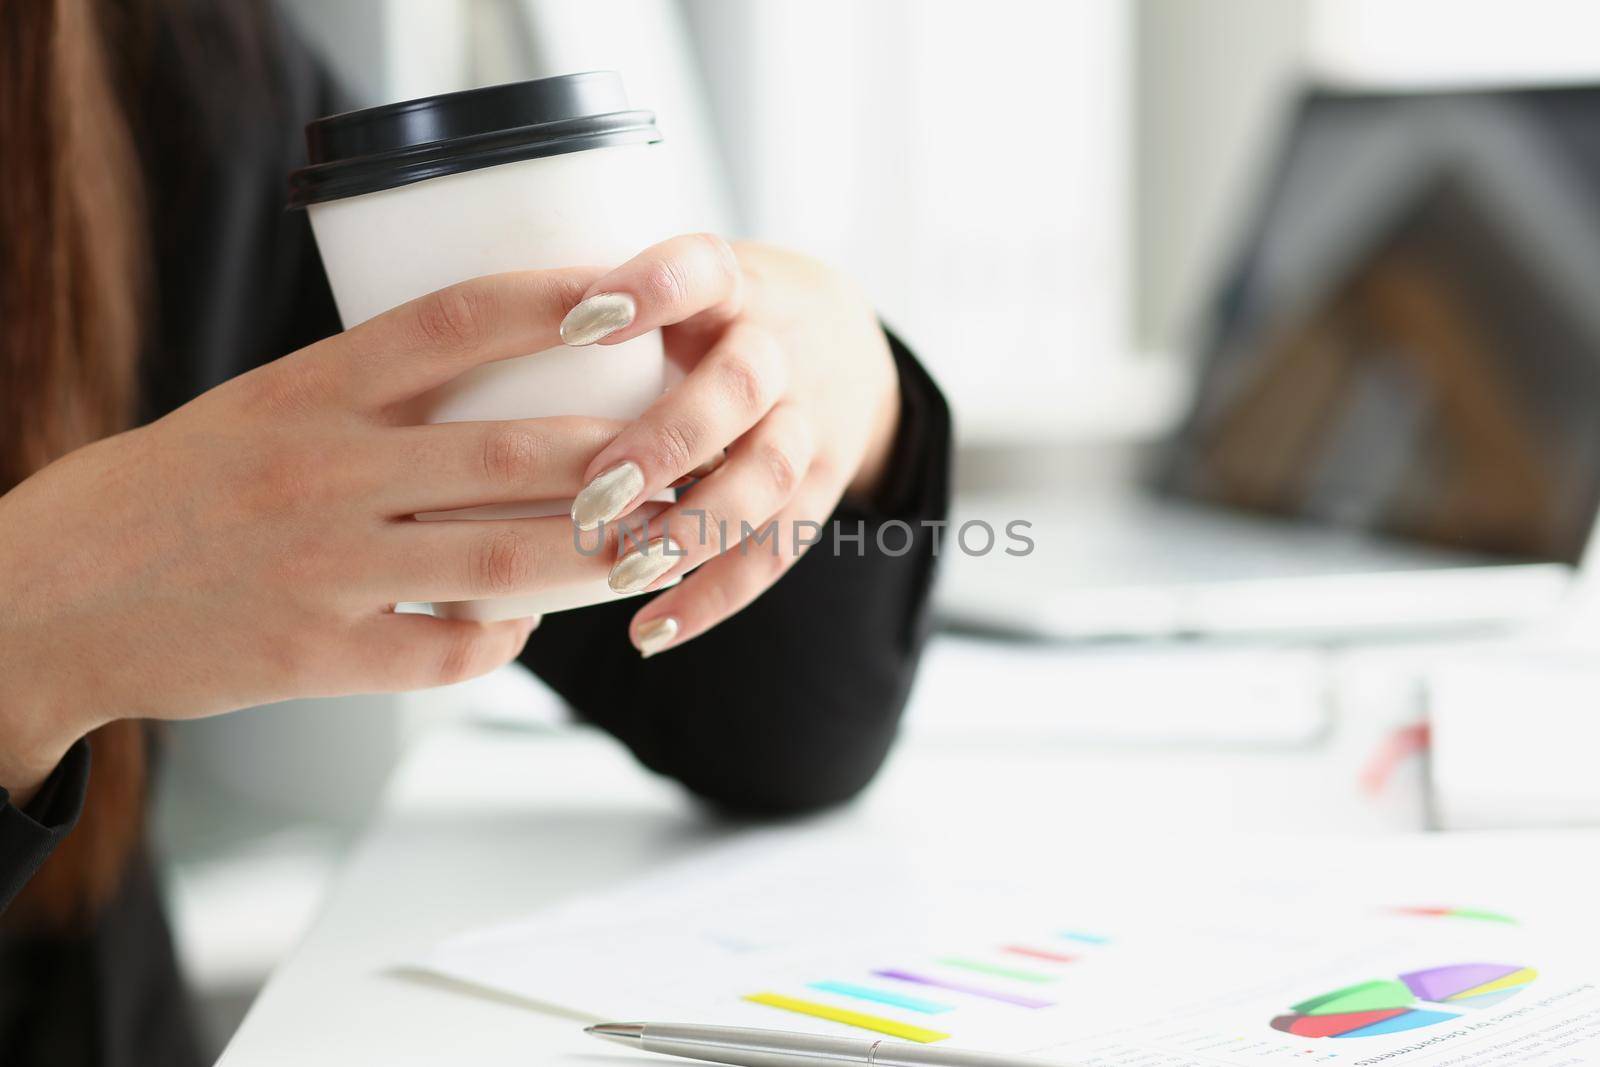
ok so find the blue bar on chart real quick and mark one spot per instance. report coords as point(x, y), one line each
point(879, 996)
point(1085, 939)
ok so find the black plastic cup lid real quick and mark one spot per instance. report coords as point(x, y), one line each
point(398, 144)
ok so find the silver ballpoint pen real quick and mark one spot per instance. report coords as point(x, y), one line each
point(778, 1048)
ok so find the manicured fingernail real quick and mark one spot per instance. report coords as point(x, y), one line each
point(656, 636)
point(604, 498)
point(599, 316)
point(639, 568)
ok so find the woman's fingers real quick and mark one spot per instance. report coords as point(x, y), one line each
point(403, 651)
point(430, 340)
point(729, 391)
point(478, 559)
point(696, 277)
point(413, 469)
point(728, 510)
point(726, 584)
point(701, 471)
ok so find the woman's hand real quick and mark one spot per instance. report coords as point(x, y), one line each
point(789, 376)
point(249, 547)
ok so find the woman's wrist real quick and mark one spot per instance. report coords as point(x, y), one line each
point(870, 476)
point(37, 722)
point(34, 745)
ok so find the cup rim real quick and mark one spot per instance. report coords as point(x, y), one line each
point(339, 179)
point(397, 144)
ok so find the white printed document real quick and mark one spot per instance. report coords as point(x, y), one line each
point(1243, 950)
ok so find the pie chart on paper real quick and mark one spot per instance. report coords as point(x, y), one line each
point(1413, 1000)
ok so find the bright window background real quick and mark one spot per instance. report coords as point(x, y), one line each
point(971, 171)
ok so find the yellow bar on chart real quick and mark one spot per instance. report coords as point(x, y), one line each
point(877, 1023)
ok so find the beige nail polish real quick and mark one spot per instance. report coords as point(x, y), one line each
point(605, 497)
point(598, 317)
point(642, 566)
point(655, 636)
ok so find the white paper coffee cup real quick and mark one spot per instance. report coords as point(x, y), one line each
point(411, 197)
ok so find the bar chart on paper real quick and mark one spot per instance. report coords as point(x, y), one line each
point(1140, 970)
point(1011, 976)
point(765, 942)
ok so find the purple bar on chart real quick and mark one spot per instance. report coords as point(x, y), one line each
point(962, 987)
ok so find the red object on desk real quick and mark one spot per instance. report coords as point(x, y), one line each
point(1403, 744)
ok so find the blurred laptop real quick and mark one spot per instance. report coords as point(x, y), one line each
point(1396, 420)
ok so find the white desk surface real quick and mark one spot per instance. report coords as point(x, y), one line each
point(481, 825)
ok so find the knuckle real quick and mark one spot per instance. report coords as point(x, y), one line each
point(722, 252)
point(744, 382)
point(452, 319)
point(464, 656)
point(674, 446)
point(285, 482)
point(721, 531)
point(502, 563)
point(512, 455)
point(824, 467)
point(665, 284)
point(781, 468)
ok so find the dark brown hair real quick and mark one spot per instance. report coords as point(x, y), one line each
point(72, 261)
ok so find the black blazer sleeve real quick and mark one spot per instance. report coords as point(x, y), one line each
point(28, 835)
point(792, 704)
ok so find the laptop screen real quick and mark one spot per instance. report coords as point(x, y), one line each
point(1410, 345)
